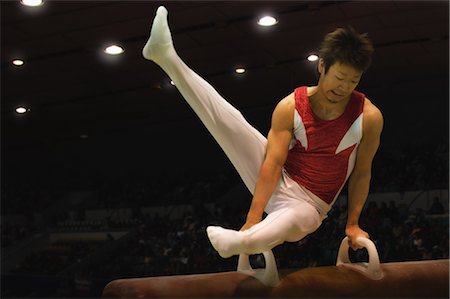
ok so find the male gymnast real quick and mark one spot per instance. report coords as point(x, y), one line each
point(320, 137)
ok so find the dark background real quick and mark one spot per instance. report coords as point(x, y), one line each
point(112, 133)
point(136, 121)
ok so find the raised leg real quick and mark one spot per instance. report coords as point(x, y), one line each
point(242, 143)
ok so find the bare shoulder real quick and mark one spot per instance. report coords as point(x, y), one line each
point(373, 118)
point(283, 115)
point(288, 102)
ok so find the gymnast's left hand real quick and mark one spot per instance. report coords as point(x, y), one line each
point(353, 232)
point(250, 222)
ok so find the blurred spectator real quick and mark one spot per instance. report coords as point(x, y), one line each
point(436, 207)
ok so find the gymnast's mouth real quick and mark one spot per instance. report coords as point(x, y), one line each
point(339, 95)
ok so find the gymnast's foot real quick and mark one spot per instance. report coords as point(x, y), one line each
point(160, 44)
point(225, 241)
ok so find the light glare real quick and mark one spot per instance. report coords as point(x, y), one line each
point(21, 110)
point(32, 2)
point(114, 50)
point(313, 57)
point(267, 21)
point(18, 62)
point(240, 70)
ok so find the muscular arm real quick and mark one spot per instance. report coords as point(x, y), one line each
point(278, 140)
point(359, 182)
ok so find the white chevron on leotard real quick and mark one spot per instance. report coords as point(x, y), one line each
point(353, 135)
point(299, 130)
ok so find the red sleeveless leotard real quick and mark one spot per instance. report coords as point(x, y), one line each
point(323, 152)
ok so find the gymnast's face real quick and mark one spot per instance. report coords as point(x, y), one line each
point(339, 81)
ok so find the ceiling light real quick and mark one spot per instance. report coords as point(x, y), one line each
point(32, 2)
point(267, 21)
point(21, 110)
point(313, 57)
point(18, 62)
point(240, 70)
point(114, 50)
point(84, 136)
point(171, 82)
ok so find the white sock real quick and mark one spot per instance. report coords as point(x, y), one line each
point(160, 44)
point(226, 242)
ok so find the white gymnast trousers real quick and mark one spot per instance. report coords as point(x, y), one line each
point(290, 214)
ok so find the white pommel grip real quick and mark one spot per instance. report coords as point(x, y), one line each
point(268, 276)
point(372, 269)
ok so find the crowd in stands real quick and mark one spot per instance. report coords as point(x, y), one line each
point(128, 192)
point(159, 245)
point(57, 257)
point(422, 169)
point(10, 234)
point(164, 247)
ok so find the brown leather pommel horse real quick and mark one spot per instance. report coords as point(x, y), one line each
point(417, 279)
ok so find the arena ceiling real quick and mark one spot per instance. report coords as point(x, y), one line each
point(85, 106)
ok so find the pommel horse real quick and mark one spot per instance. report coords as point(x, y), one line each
point(418, 279)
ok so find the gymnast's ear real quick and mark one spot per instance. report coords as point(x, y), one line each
point(321, 67)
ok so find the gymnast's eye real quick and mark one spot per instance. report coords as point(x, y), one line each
point(340, 79)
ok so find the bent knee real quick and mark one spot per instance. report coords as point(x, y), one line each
point(311, 222)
